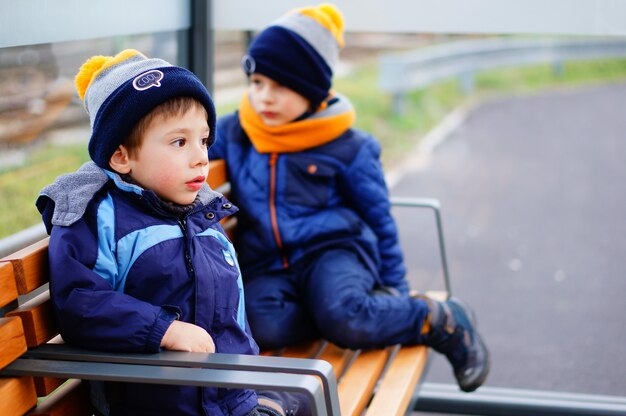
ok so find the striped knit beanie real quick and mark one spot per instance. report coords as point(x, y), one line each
point(300, 51)
point(120, 90)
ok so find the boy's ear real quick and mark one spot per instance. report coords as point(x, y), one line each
point(120, 161)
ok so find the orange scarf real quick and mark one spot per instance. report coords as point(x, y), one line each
point(315, 130)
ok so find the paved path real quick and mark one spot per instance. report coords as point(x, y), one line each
point(534, 204)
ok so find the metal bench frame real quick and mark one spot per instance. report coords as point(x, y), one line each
point(314, 378)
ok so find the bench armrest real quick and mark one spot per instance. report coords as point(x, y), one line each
point(186, 368)
point(436, 207)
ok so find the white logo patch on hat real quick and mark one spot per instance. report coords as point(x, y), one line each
point(148, 79)
point(248, 64)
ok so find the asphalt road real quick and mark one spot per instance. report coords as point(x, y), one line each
point(533, 199)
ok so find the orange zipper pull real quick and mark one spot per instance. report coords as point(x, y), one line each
point(273, 215)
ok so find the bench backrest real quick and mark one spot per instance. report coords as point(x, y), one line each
point(24, 274)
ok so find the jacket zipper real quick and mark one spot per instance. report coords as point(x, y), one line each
point(182, 223)
point(183, 226)
point(273, 216)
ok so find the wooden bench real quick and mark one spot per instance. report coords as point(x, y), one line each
point(39, 375)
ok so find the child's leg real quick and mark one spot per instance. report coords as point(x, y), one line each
point(275, 312)
point(348, 312)
point(339, 292)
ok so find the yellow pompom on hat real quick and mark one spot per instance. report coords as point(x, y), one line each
point(120, 90)
point(300, 50)
point(329, 16)
point(95, 65)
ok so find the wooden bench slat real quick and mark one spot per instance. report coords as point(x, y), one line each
point(8, 287)
point(38, 319)
point(30, 266)
point(217, 173)
point(17, 395)
point(339, 358)
point(12, 340)
point(70, 399)
point(229, 224)
point(308, 350)
point(399, 382)
point(46, 385)
point(357, 384)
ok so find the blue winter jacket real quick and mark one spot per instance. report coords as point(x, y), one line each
point(293, 204)
point(123, 267)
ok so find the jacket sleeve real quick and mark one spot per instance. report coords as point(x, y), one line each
point(364, 186)
point(90, 313)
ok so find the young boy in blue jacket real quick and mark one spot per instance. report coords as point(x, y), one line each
point(138, 259)
point(318, 247)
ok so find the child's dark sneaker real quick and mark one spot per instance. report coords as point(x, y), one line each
point(453, 333)
point(283, 403)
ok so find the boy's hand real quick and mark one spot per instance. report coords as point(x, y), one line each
point(183, 336)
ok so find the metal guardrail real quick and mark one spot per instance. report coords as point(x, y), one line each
point(401, 73)
point(21, 239)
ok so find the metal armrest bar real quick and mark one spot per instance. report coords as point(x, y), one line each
point(436, 207)
point(154, 374)
point(318, 368)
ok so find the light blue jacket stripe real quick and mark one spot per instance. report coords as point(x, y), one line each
point(231, 258)
point(106, 264)
point(133, 245)
point(124, 186)
point(115, 259)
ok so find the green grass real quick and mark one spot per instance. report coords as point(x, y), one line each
point(537, 78)
point(20, 186)
point(397, 133)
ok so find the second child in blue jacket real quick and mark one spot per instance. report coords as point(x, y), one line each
point(318, 247)
point(138, 259)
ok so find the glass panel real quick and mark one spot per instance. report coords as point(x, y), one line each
point(44, 129)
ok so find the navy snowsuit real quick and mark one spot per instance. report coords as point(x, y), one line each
point(123, 267)
point(315, 238)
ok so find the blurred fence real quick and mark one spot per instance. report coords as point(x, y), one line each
point(401, 73)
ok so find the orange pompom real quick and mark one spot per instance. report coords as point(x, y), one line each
point(334, 15)
point(329, 16)
point(96, 64)
point(87, 72)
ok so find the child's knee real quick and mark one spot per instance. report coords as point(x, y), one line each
point(277, 329)
point(347, 335)
point(269, 336)
point(347, 324)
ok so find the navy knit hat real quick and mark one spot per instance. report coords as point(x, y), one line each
point(300, 51)
point(119, 91)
